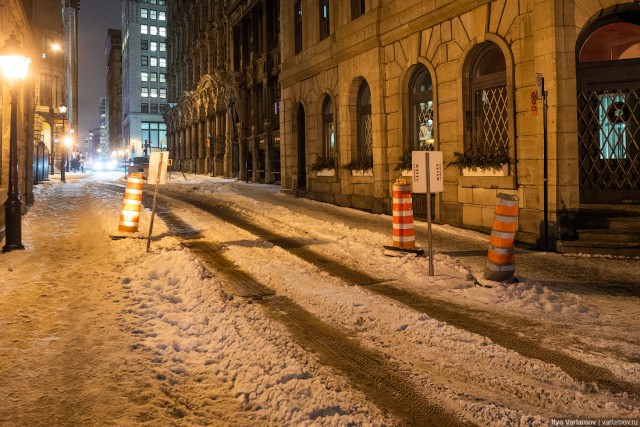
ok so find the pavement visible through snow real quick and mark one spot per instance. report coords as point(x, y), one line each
point(95, 331)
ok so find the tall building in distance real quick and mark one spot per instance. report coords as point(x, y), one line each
point(70, 43)
point(103, 148)
point(113, 101)
point(144, 75)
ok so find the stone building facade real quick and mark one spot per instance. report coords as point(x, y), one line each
point(223, 73)
point(368, 80)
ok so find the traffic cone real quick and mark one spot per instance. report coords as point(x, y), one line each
point(130, 216)
point(501, 265)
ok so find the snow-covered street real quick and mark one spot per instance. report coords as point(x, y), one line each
point(95, 331)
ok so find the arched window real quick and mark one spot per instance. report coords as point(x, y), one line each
point(297, 18)
point(488, 102)
point(421, 110)
point(328, 129)
point(365, 136)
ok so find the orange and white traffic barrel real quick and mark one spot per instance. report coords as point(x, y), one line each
point(402, 210)
point(130, 216)
point(501, 264)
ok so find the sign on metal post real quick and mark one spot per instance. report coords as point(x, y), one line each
point(428, 177)
point(158, 162)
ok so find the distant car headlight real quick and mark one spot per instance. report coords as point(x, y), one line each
point(98, 165)
point(113, 164)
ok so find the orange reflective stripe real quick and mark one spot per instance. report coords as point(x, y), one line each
point(505, 226)
point(501, 258)
point(507, 210)
point(501, 242)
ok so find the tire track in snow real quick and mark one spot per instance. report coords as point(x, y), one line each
point(471, 320)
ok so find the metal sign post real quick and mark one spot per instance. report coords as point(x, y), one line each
point(428, 178)
point(158, 165)
point(543, 94)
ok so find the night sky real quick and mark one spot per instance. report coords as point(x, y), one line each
point(95, 17)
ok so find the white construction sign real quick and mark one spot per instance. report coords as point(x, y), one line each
point(428, 172)
point(158, 162)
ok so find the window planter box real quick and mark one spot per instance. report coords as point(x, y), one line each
point(406, 172)
point(368, 172)
point(504, 171)
point(326, 172)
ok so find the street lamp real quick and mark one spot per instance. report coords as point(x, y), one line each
point(15, 66)
point(63, 158)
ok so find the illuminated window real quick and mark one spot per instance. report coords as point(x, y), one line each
point(163, 31)
point(153, 46)
point(144, 76)
point(154, 61)
point(153, 14)
point(162, 16)
point(144, 29)
point(324, 19)
point(163, 46)
point(144, 13)
point(163, 93)
point(328, 128)
point(163, 78)
point(144, 92)
point(154, 92)
point(421, 107)
point(154, 77)
point(163, 62)
point(153, 30)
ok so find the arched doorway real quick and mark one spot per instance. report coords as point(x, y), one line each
point(608, 81)
point(302, 162)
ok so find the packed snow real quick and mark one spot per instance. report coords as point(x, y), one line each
point(96, 331)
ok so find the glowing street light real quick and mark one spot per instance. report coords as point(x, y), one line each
point(14, 65)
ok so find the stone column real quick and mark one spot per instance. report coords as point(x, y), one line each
point(228, 155)
point(268, 176)
point(242, 174)
point(207, 144)
point(194, 146)
point(221, 150)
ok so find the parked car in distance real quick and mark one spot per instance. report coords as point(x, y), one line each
point(139, 165)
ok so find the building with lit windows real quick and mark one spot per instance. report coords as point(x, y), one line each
point(103, 147)
point(144, 75)
point(113, 100)
point(365, 82)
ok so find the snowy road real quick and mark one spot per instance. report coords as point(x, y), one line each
point(95, 331)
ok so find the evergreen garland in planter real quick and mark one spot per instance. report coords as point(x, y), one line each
point(324, 162)
point(360, 163)
point(406, 162)
point(480, 157)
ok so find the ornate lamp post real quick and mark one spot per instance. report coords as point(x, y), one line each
point(63, 158)
point(15, 66)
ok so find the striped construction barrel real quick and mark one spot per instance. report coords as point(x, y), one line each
point(402, 210)
point(500, 257)
point(130, 216)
